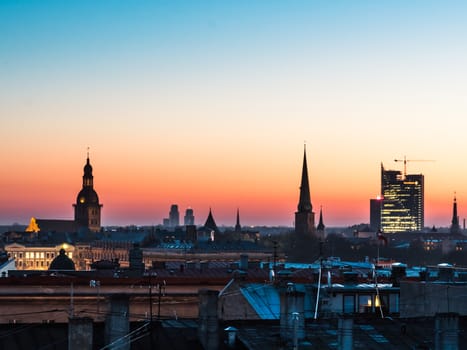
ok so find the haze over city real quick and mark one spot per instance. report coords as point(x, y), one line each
point(208, 105)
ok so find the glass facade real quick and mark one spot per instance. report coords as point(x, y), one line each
point(403, 201)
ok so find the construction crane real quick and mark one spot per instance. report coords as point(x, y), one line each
point(405, 160)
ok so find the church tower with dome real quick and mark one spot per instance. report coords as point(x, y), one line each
point(87, 207)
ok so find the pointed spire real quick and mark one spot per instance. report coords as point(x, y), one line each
point(87, 177)
point(304, 204)
point(210, 223)
point(320, 226)
point(455, 227)
point(238, 227)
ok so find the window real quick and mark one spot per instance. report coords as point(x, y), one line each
point(365, 303)
point(394, 303)
point(349, 304)
point(42, 255)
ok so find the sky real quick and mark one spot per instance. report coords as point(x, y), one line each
point(208, 105)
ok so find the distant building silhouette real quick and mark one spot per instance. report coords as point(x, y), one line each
point(455, 227)
point(403, 201)
point(375, 214)
point(189, 218)
point(51, 225)
point(174, 216)
point(87, 207)
point(321, 229)
point(238, 227)
point(211, 223)
point(305, 217)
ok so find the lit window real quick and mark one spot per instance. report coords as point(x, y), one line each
point(365, 303)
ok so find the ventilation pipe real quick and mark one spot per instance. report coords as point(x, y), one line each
point(446, 331)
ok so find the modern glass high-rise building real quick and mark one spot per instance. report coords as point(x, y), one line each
point(402, 206)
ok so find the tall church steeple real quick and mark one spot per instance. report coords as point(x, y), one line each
point(88, 179)
point(320, 229)
point(87, 207)
point(238, 227)
point(304, 217)
point(455, 227)
point(304, 203)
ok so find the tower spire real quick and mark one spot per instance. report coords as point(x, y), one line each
point(455, 227)
point(304, 217)
point(304, 203)
point(320, 226)
point(238, 227)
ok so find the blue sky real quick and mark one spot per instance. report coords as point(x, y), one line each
point(174, 86)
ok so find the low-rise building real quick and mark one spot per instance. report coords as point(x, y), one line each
point(36, 256)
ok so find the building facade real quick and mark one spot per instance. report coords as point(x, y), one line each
point(375, 214)
point(402, 206)
point(37, 257)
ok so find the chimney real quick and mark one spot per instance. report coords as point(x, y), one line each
point(80, 333)
point(117, 324)
point(204, 265)
point(231, 336)
point(345, 333)
point(445, 272)
point(208, 329)
point(397, 273)
point(446, 331)
point(244, 262)
point(292, 314)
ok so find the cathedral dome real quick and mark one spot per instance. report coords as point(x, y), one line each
point(87, 195)
point(62, 262)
